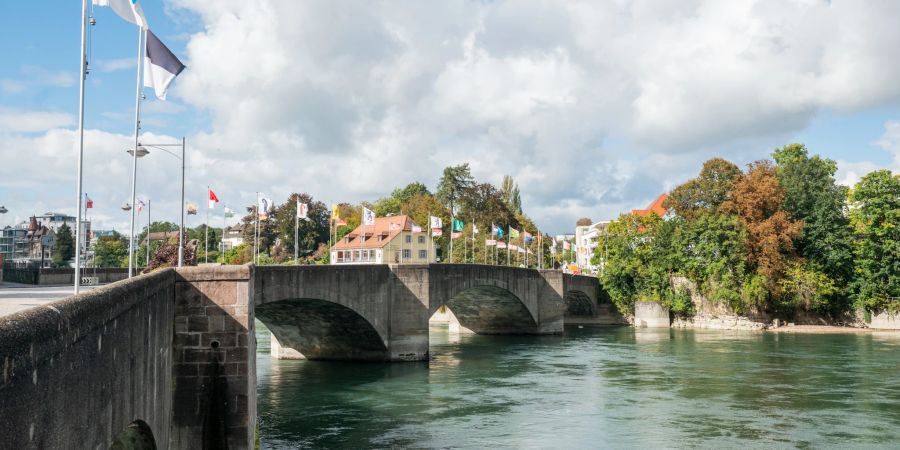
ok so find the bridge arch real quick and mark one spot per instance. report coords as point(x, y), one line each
point(579, 304)
point(323, 330)
point(487, 309)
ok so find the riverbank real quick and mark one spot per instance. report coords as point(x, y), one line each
point(830, 329)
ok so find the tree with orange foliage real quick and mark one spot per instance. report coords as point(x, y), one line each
point(758, 199)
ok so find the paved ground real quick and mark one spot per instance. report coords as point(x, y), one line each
point(15, 297)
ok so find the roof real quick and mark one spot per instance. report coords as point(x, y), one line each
point(656, 206)
point(162, 236)
point(376, 236)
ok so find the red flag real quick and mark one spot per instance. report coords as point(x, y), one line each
point(456, 235)
point(88, 203)
point(212, 198)
point(339, 222)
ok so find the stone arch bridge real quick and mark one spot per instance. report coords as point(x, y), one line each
point(168, 359)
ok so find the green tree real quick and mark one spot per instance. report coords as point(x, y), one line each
point(64, 250)
point(111, 251)
point(811, 195)
point(707, 192)
point(453, 183)
point(510, 191)
point(583, 222)
point(875, 216)
point(310, 233)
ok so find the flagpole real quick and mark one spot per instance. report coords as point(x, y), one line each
point(256, 232)
point(508, 237)
point(296, 228)
point(78, 182)
point(452, 224)
point(149, 224)
point(181, 228)
point(134, 157)
point(206, 236)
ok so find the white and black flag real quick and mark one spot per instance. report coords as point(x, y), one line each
point(161, 66)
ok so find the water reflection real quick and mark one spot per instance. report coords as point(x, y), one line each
point(594, 387)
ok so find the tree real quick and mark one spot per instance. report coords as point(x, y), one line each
point(584, 222)
point(758, 199)
point(707, 192)
point(875, 216)
point(510, 193)
point(111, 251)
point(64, 250)
point(396, 202)
point(454, 181)
point(811, 195)
point(310, 233)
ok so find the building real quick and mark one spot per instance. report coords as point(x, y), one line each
point(39, 241)
point(587, 239)
point(54, 220)
point(232, 237)
point(656, 206)
point(391, 240)
point(12, 244)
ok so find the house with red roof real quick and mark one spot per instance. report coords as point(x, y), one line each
point(390, 240)
point(656, 206)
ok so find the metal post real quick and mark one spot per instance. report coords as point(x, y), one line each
point(137, 128)
point(147, 263)
point(83, 73)
point(206, 229)
point(181, 228)
point(296, 230)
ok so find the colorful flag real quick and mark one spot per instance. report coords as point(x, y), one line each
point(513, 247)
point(501, 244)
point(520, 250)
point(456, 235)
point(499, 232)
point(528, 237)
point(490, 242)
point(129, 10)
point(494, 229)
point(436, 222)
point(566, 245)
point(191, 209)
point(302, 210)
point(416, 229)
point(474, 229)
point(513, 233)
point(458, 225)
point(229, 212)
point(88, 203)
point(212, 199)
point(340, 222)
point(335, 214)
point(161, 66)
point(264, 207)
point(141, 206)
point(368, 216)
point(437, 232)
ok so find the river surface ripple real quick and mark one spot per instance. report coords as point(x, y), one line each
point(608, 387)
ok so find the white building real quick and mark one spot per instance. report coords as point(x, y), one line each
point(232, 237)
point(587, 239)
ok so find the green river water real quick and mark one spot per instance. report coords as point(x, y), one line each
point(611, 387)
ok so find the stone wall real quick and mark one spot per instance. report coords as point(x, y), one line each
point(885, 321)
point(651, 315)
point(214, 355)
point(79, 371)
point(64, 276)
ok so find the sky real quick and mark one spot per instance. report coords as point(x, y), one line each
point(594, 107)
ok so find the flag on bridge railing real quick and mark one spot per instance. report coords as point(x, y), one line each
point(490, 242)
point(501, 244)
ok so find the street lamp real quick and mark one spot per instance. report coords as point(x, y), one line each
point(142, 151)
point(3, 210)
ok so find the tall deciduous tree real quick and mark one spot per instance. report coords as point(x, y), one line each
point(876, 221)
point(811, 195)
point(310, 233)
point(111, 251)
point(510, 192)
point(758, 199)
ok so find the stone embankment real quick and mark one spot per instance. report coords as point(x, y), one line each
point(719, 322)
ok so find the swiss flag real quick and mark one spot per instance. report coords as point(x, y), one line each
point(88, 203)
point(212, 199)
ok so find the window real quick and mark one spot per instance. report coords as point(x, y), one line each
point(407, 253)
point(408, 239)
point(371, 255)
point(423, 254)
point(421, 239)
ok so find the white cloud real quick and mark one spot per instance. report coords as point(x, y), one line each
point(112, 65)
point(595, 107)
point(17, 121)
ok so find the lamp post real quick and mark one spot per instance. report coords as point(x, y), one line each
point(182, 158)
point(140, 153)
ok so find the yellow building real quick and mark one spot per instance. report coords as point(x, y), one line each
point(391, 240)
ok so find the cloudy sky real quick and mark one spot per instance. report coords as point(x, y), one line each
point(594, 107)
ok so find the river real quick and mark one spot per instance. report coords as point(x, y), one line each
point(608, 387)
